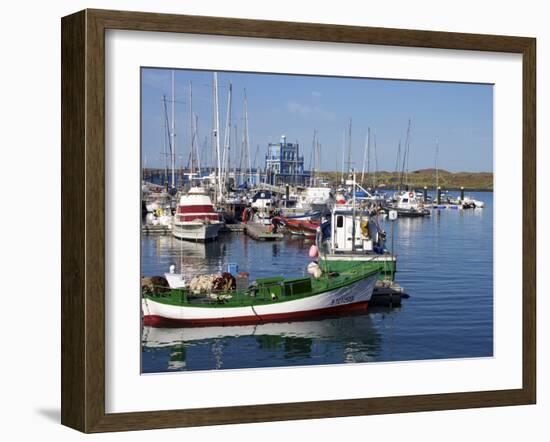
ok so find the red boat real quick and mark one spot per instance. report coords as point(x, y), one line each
point(301, 227)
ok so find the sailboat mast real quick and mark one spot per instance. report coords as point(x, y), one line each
point(313, 157)
point(246, 139)
point(165, 132)
point(349, 146)
point(192, 132)
point(397, 162)
point(173, 134)
point(196, 144)
point(227, 138)
point(405, 169)
point(368, 155)
point(319, 155)
point(216, 134)
point(295, 167)
point(374, 182)
point(353, 213)
point(343, 156)
point(256, 161)
point(236, 154)
point(436, 165)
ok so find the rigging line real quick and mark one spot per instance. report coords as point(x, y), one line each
point(255, 313)
point(176, 101)
point(168, 127)
point(398, 157)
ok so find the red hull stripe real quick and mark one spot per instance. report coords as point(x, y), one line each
point(159, 321)
point(296, 223)
point(302, 229)
point(207, 208)
point(194, 217)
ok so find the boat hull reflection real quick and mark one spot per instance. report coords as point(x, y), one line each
point(297, 343)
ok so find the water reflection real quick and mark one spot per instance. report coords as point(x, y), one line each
point(352, 337)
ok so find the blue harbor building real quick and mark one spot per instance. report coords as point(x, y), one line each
point(284, 165)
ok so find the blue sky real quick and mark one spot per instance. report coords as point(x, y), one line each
point(459, 116)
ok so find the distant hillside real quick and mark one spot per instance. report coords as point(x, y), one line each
point(425, 177)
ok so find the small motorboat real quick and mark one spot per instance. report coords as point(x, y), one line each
point(301, 227)
point(408, 204)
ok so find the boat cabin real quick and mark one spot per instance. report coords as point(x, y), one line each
point(368, 237)
point(262, 200)
point(408, 200)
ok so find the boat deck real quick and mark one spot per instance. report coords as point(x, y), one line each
point(264, 291)
point(158, 229)
point(230, 228)
point(259, 232)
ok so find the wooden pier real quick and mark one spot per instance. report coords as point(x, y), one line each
point(446, 206)
point(158, 229)
point(260, 232)
point(233, 228)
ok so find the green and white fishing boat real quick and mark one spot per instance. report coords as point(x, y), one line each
point(353, 237)
point(343, 245)
point(265, 300)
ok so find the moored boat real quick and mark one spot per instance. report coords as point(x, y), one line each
point(301, 227)
point(196, 219)
point(316, 199)
point(263, 204)
point(472, 203)
point(302, 216)
point(354, 239)
point(266, 300)
point(408, 204)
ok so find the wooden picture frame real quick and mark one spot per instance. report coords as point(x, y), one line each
point(83, 216)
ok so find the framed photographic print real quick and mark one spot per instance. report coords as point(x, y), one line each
point(271, 220)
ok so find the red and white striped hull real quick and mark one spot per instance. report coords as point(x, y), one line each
point(196, 231)
point(351, 298)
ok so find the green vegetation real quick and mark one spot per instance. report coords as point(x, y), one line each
point(424, 177)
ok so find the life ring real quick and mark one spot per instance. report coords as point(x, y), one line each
point(411, 194)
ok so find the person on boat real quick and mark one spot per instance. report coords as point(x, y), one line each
point(276, 222)
point(247, 214)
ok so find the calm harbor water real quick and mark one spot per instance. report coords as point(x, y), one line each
point(445, 264)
